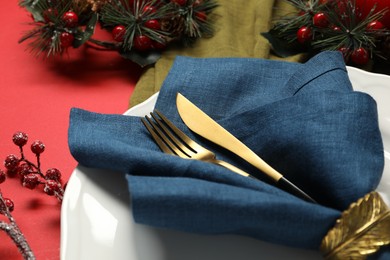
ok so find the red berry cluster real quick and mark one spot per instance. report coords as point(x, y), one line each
point(319, 21)
point(143, 42)
point(30, 174)
point(68, 20)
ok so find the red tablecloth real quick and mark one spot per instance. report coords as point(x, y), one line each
point(36, 97)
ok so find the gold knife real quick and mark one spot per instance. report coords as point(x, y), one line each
point(205, 126)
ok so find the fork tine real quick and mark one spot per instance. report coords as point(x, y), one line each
point(161, 133)
point(174, 139)
point(166, 140)
point(191, 144)
point(157, 138)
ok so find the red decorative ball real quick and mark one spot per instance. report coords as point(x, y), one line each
point(304, 34)
point(37, 147)
point(149, 9)
point(49, 15)
point(197, 3)
point(30, 181)
point(11, 162)
point(153, 24)
point(336, 28)
point(375, 25)
point(320, 20)
point(345, 52)
point(70, 19)
point(9, 203)
point(159, 45)
point(360, 56)
point(180, 2)
point(24, 168)
point(118, 33)
point(20, 139)
point(142, 43)
point(51, 187)
point(2, 176)
point(66, 39)
point(53, 174)
point(202, 16)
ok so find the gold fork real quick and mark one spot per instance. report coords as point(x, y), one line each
point(172, 140)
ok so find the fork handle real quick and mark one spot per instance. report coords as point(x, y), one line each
point(230, 167)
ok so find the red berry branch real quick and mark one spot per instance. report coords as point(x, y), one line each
point(360, 30)
point(31, 177)
point(140, 29)
point(30, 173)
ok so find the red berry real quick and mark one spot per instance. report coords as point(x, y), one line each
point(51, 187)
point(50, 15)
point(118, 33)
point(180, 2)
point(375, 25)
point(70, 19)
point(53, 174)
point(336, 28)
point(304, 34)
point(30, 181)
point(66, 39)
point(153, 24)
point(12, 172)
point(37, 147)
point(360, 56)
point(202, 16)
point(159, 45)
point(345, 52)
point(320, 20)
point(11, 162)
point(197, 2)
point(149, 9)
point(142, 43)
point(24, 168)
point(2, 176)
point(20, 138)
point(9, 204)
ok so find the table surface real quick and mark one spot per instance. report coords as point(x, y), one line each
point(36, 97)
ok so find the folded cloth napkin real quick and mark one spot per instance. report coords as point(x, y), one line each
point(238, 26)
point(304, 119)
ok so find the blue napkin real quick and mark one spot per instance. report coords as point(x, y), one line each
point(303, 119)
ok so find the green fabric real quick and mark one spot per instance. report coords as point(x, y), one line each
point(238, 26)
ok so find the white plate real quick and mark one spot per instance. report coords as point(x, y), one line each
point(97, 223)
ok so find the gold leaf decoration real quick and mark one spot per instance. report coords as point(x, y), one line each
point(362, 229)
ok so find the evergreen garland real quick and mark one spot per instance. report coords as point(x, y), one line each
point(141, 29)
point(319, 25)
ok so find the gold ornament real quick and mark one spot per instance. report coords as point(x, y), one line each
point(362, 229)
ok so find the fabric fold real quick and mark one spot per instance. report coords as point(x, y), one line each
point(304, 119)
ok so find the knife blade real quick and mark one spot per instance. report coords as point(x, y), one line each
point(202, 124)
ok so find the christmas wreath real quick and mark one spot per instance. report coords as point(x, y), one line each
point(360, 29)
point(140, 29)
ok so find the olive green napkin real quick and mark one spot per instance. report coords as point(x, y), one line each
point(238, 25)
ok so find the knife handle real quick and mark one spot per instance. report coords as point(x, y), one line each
point(288, 186)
